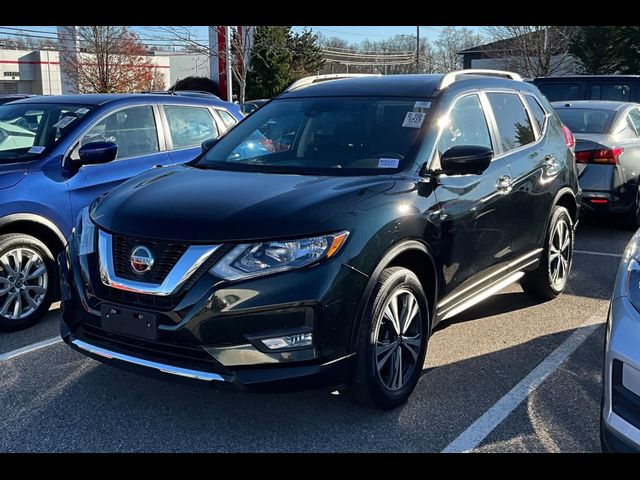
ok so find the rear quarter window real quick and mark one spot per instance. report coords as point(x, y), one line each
point(514, 125)
point(539, 114)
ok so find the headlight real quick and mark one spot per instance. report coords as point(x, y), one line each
point(85, 233)
point(253, 259)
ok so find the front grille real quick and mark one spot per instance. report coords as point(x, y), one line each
point(166, 255)
point(158, 302)
point(194, 357)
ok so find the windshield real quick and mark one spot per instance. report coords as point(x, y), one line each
point(27, 129)
point(325, 136)
point(586, 120)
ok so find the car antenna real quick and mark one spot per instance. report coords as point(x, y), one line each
point(172, 90)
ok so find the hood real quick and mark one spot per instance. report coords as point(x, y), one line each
point(206, 206)
point(12, 173)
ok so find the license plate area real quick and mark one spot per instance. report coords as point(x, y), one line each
point(129, 322)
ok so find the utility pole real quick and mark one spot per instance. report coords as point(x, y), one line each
point(227, 51)
point(418, 49)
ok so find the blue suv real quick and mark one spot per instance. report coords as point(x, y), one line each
point(59, 153)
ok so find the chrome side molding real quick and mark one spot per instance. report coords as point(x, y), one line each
point(170, 369)
point(190, 261)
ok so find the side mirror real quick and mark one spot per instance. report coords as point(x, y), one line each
point(97, 152)
point(208, 143)
point(466, 160)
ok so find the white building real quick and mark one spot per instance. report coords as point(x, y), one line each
point(24, 71)
point(39, 71)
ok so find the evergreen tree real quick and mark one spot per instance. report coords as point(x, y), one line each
point(599, 48)
point(271, 62)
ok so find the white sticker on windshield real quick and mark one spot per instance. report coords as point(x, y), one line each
point(421, 106)
point(388, 162)
point(81, 111)
point(413, 119)
point(36, 150)
point(64, 121)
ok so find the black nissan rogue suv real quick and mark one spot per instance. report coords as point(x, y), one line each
point(320, 240)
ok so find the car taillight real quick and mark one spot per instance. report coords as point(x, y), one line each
point(607, 156)
point(568, 137)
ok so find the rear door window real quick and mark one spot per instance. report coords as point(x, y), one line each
point(189, 126)
point(560, 91)
point(514, 124)
point(611, 91)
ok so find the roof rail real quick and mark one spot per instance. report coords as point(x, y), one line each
point(451, 77)
point(306, 81)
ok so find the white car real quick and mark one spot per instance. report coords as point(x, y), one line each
point(13, 137)
point(620, 423)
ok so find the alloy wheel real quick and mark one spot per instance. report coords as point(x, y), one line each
point(23, 283)
point(398, 337)
point(559, 254)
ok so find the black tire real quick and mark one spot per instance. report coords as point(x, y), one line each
point(368, 387)
point(631, 220)
point(8, 243)
point(539, 283)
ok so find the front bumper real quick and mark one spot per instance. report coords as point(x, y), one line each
point(212, 332)
point(620, 425)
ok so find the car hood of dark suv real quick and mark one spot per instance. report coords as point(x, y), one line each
point(203, 206)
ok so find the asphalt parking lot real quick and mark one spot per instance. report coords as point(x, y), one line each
point(508, 375)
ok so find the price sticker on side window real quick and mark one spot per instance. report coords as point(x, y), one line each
point(413, 119)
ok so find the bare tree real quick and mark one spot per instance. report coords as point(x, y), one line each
point(535, 51)
point(109, 59)
point(240, 42)
point(451, 41)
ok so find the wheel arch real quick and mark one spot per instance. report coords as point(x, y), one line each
point(37, 226)
point(413, 255)
point(566, 198)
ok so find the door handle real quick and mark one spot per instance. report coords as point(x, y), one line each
point(504, 184)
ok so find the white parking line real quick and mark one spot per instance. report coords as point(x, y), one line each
point(30, 348)
point(489, 420)
point(602, 254)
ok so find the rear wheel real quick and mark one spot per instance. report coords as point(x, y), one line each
point(549, 279)
point(27, 280)
point(392, 341)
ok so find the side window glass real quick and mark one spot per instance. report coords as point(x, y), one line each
point(538, 112)
point(611, 91)
point(132, 129)
point(227, 118)
point(189, 126)
point(634, 119)
point(466, 125)
point(514, 124)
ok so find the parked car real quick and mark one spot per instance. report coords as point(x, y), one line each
point(620, 409)
point(393, 203)
point(619, 88)
point(252, 105)
point(607, 155)
point(53, 162)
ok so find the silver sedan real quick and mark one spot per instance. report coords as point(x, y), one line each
point(620, 422)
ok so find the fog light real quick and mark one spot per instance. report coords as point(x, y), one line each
point(289, 341)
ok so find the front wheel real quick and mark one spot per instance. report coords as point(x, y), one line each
point(392, 342)
point(550, 278)
point(27, 280)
